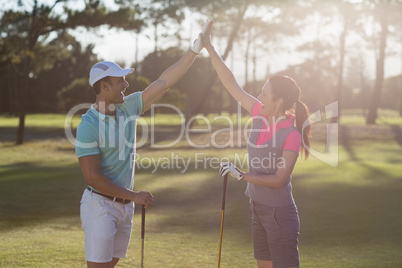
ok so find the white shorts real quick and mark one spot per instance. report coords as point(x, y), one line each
point(107, 227)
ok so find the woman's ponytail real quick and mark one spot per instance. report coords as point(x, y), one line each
point(286, 88)
point(301, 117)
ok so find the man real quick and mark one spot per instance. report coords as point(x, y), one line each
point(105, 146)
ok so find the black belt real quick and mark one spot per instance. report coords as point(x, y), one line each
point(116, 199)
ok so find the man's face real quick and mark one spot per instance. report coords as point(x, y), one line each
point(116, 87)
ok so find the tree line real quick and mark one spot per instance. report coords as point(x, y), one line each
point(44, 69)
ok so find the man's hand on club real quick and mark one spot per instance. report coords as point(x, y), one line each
point(198, 44)
point(232, 170)
point(144, 198)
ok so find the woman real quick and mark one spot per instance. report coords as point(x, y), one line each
point(273, 148)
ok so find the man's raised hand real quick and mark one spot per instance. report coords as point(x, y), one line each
point(198, 44)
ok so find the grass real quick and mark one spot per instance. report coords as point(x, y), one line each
point(350, 214)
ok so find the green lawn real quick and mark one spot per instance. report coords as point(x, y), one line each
point(350, 214)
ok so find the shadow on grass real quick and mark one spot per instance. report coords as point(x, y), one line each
point(32, 194)
point(332, 214)
point(194, 206)
point(32, 133)
point(338, 214)
point(346, 141)
point(398, 133)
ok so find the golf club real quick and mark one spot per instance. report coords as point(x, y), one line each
point(225, 183)
point(142, 235)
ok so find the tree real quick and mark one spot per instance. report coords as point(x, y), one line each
point(157, 14)
point(318, 72)
point(75, 93)
point(58, 63)
point(189, 88)
point(385, 12)
point(347, 15)
point(234, 17)
point(231, 10)
point(24, 25)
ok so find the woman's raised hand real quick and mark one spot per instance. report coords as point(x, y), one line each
point(206, 37)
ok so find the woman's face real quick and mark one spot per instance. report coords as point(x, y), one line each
point(266, 98)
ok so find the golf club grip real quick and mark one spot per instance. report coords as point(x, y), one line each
point(143, 222)
point(225, 183)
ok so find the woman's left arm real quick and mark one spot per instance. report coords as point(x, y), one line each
point(285, 169)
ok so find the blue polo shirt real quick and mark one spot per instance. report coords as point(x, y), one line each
point(113, 140)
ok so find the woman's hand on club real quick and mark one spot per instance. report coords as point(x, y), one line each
point(232, 170)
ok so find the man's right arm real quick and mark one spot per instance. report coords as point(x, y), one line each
point(90, 166)
point(154, 92)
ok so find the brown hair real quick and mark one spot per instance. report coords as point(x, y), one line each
point(287, 89)
point(96, 87)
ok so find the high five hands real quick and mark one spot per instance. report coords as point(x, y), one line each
point(203, 37)
point(206, 36)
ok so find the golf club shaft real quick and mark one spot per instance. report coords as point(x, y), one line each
point(142, 235)
point(225, 183)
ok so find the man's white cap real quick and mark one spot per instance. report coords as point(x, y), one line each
point(107, 68)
